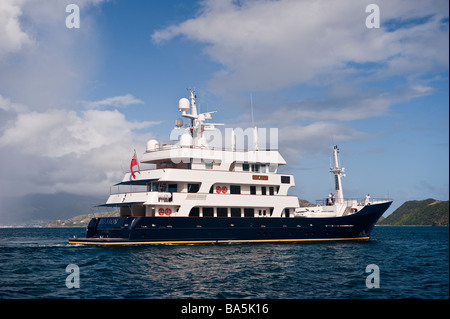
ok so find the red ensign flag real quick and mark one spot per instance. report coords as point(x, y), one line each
point(134, 162)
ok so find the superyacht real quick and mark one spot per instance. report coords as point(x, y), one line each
point(196, 192)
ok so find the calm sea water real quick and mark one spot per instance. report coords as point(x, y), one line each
point(413, 263)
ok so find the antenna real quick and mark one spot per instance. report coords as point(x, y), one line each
point(255, 129)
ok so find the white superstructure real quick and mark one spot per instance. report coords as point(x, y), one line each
point(193, 178)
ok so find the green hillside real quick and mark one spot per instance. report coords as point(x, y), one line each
point(423, 212)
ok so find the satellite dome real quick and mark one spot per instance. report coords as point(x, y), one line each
point(152, 145)
point(183, 104)
point(186, 140)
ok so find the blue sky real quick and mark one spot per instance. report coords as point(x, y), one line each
point(74, 103)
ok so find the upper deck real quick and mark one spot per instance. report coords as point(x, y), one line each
point(198, 144)
point(217, 159)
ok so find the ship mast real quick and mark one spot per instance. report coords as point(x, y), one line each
point(193, 105)
point(338, 173)
point(198, 121)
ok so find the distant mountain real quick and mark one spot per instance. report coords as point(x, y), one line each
point(41, 208)
point(80, 220)
point(422, 212)
point(304, 203)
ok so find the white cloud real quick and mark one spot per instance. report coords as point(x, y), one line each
point(348, 104)
point(8, 106)
point(12, 37)
point(60, 132)
point(42, 63)
point(116, 101)
point(265, 45)
point(314, 139)
point(65, 150)
point(45, 146)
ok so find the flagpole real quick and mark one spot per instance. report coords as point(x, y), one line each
point(139, 169)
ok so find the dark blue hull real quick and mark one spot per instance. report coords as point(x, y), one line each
point(163, 230)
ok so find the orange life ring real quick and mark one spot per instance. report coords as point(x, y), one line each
point(161, 211)
point(168, 211)
point(218, 189)
point(224, 189)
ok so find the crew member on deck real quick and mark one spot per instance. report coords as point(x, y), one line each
point(367, 200)
point(330, 200)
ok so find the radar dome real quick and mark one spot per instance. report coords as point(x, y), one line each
point(152, 145)
point(186, 140)
point(183, 104)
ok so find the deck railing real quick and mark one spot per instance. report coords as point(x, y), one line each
point(351, 201)
point(165, 147)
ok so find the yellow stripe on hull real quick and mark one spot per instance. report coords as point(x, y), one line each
point(211, 241)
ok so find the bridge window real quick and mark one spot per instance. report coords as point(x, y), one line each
point(285, 179)
point(172, 188)
point(193, 188)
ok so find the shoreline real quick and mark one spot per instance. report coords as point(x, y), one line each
point(412, 225)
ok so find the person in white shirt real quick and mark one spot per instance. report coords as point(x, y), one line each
point(367, 201)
